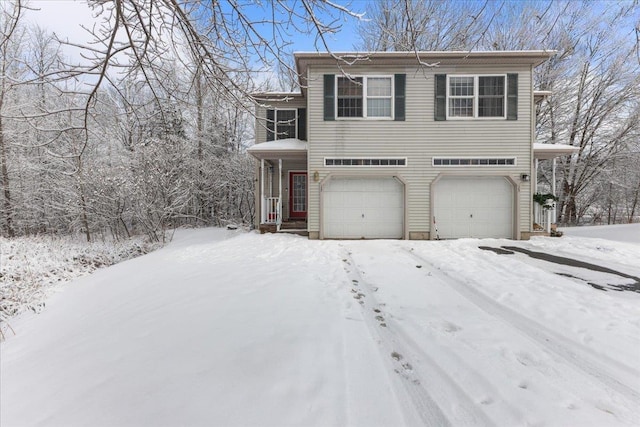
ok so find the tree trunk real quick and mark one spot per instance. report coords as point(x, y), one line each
point(8, 207)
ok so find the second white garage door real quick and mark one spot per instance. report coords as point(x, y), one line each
point(473, 207)
point(363, 208)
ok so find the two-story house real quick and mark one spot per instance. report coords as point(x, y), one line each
point(389, 146)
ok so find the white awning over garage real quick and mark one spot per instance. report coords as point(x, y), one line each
point(363, 208)
point(473, 207)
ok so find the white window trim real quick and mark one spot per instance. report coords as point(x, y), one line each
point(365, 77)
point(275, 122)
point(433, 161)
point(406, 162)
point(476, 97)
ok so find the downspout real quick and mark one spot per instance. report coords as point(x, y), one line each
point(553, 190)
point(262, 204)
point(279, 220)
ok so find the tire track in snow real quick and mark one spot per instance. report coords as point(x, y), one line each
point(548, 339)
point(412, 364)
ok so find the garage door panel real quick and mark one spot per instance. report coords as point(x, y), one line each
point(363, 208)
point(474, 207)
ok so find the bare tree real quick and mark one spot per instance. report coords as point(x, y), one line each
point(11, 37)
point(408, 25)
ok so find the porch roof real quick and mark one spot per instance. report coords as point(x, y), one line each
point(290, 148)
point(551, 151)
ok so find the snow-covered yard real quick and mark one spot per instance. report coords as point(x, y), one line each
point(33, 267)
point(223, 328)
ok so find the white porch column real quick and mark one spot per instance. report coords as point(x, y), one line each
point(535, 178)
point(279, 192)
point(262, 207)
point(553, 190)
point(537, 209)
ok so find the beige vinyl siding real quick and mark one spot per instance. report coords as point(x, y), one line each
point(419, 138)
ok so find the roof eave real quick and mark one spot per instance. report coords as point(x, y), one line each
point(533, 57)
point(541, 95)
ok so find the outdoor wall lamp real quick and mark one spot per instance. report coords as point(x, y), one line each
point(316, 176)
point(525, 177)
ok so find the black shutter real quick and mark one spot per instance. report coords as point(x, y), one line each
point(399, 101)
point(512, 97)
point(329, 97)
point(271, 124)
point(441, 97)
point(302, 124)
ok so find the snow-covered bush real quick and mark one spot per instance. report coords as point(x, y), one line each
point(32, 267)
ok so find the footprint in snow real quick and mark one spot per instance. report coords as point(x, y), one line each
point(487, 401)
point(379, 318)
point(523, 385)
point(396, 356)
point(451, 327)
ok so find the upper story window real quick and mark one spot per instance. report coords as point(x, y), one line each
point(285, 124)
point(350, 99)
point(366, 97)
point(476, 96)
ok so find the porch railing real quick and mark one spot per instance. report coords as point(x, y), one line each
point(272, 210)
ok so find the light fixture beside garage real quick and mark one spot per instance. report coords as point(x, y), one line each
point(316, 176)
point(525, 177)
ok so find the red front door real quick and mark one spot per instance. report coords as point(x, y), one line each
point(297, 195)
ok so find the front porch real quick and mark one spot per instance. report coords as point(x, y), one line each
point(282, 178)
point(292, 227)
point(546, 217)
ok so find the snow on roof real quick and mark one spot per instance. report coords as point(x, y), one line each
point(550, 151)
point(290, 146)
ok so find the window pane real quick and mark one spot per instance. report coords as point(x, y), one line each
point(490, 107)
point(349, 87)
point(378, 86)
point(350, 97)
point(491, 85)
point(491, 96)
point(286, 124)
point(379, 107)
point(461, 107)
point(349, 107)
point(461, 86)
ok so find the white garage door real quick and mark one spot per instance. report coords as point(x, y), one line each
point(473, 207)
point(363, 208)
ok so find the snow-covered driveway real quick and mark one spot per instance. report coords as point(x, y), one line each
point(277, 330)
